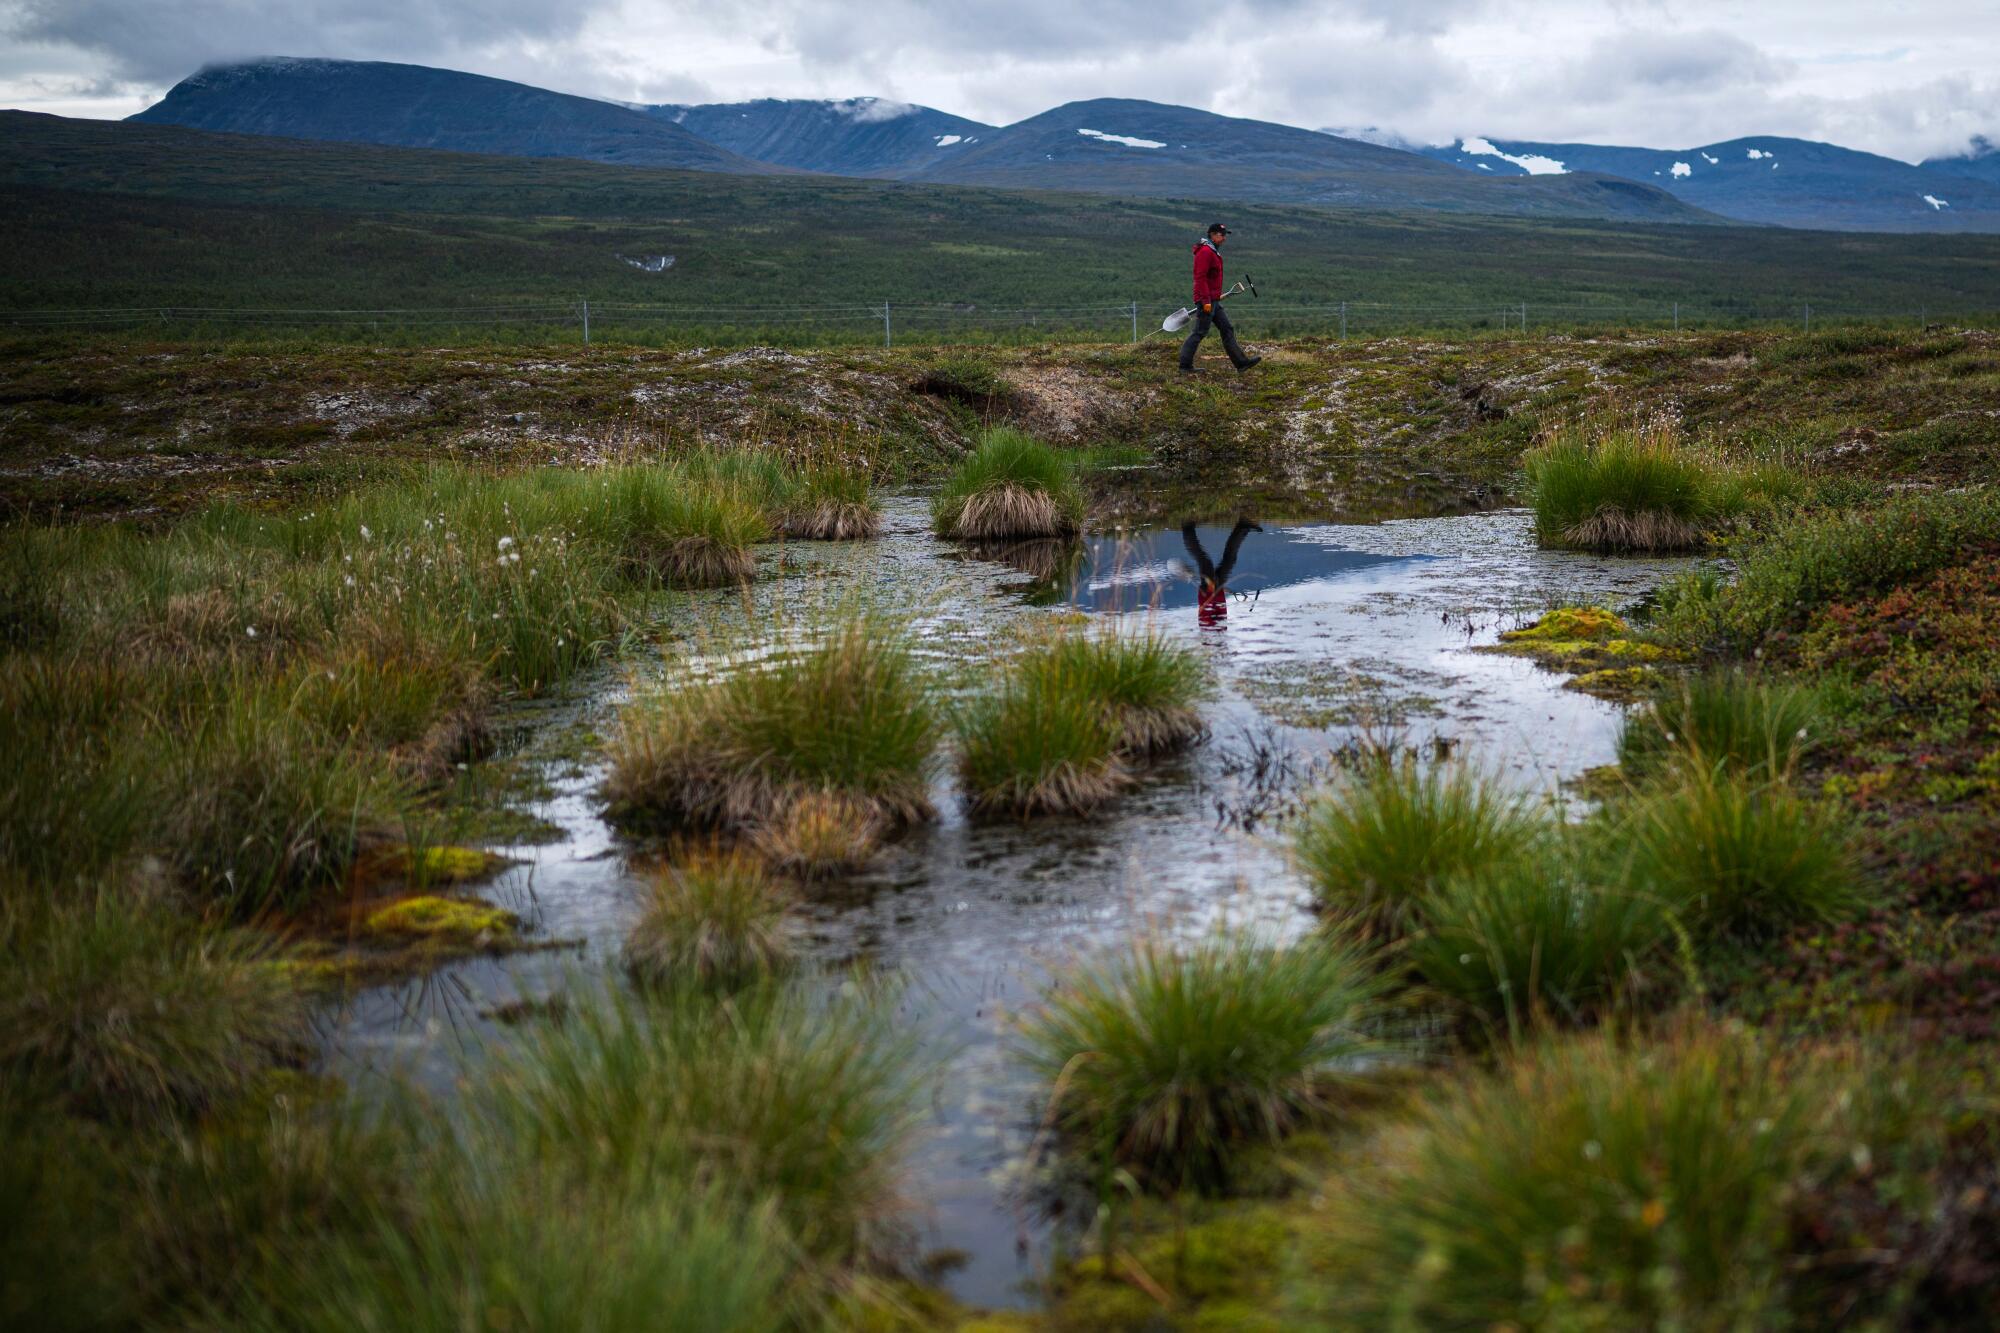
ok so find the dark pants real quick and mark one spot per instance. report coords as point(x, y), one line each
point(1219, 317)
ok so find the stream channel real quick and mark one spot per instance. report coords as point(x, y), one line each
point(1327, 634)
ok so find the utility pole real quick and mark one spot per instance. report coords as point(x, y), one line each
point(1135, 321)
point(887, 340)
point(1677, 317)
point(1343, 319)
point(1524, 317)
point(586, 321)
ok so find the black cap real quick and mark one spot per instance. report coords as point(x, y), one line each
point(1215, 227)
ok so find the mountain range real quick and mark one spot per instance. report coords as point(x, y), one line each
point(413, 106)
point(1790, 182)
point(1118, 146)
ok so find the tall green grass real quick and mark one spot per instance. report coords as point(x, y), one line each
point(830, 504)
point(480, 1252)
point(1637, 486)
point(851, 714)
point(714, 918)
point(1389, 834)
point(1724, 717)
point(1169, 1061)
point(1737, 855)
point(1529, 940)
point(1060, 730)
point(771, 1096)
point(249, 696)
point(1038, 743)
point(118, 1007)
point(1594, 1185)
point(1011, 487)
point(1149, 684)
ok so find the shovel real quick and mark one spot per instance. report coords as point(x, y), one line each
point(1177, 321)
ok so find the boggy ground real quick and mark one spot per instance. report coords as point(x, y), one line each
point(165, 1167)
point(1362, 429)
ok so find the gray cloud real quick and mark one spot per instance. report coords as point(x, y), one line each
point(1666, 73)
point(1653, 63)
point(162, 41)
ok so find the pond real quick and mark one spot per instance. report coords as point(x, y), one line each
point(1318, 635)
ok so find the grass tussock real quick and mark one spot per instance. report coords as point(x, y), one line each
point(830, 505)
point(1167, 1061)
point(1011, 488)
point(715, 918)
point(1072, 715)
point(1588, 1184)
point(685, 1160)
point(851, 714)
point(534, 1255)
point(118, 1007)
point(822, 834)
point(1726, 717)
point(1038, 744)
point(1149, 684)
point(1530, 940)
point(775, 1098)
point(1637, 486)
point(1738, 855)
point(1389, 834)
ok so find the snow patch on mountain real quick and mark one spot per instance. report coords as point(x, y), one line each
point(947, 140)
point(1682, 169)
point(1125, 139)
point(1936, 203)
point(1712, 161)
point(1758, 154)
point(1532, 163)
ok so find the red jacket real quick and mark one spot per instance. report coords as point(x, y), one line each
point(1207, 272)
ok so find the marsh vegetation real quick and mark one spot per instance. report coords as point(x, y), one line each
point(1699, 1044)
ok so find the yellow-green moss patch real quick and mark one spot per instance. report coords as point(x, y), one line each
point(1587, 641)
point(1589, 624)
point(1621, 684)
point(466, 922)
point(452, 865)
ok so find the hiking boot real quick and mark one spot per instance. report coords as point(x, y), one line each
point(1189, 370)
point(1248, 364)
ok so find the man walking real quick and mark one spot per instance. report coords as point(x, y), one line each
point(1208, 303)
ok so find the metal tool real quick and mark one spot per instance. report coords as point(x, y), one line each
point(1177, 321)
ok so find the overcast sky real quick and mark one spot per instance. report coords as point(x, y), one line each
point(1907, 79)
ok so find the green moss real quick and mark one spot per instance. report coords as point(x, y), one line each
point(323, 973)
point(1621, 684)
point(461, 921)
point(1590, 642)
point(1218, 1273)
point(1634, 650)
point(1567, 624)
point(453, 865)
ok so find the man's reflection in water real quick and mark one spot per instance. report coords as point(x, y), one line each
point(1211, 599)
